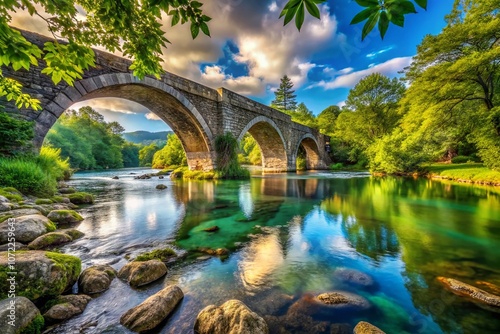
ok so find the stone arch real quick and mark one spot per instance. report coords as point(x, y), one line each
point(311, 146)
point(163, 100)
point(271, 142)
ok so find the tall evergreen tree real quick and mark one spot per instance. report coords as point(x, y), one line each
point(284, 97)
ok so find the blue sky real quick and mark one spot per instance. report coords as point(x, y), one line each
point(250, 51)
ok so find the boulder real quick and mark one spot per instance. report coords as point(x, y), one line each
point(4, 199)
point(354, 277)
point(81, 198)
point(40, 274)
point(27, 228)
point(364, 327)
point(74, 234)
point(64, 216)
point(161, 187)
point(27, 317)
point(466, 290)
point(18, 213)
point(50, 240)
point(66, 307)
point(151, 312)
point(16, 246)
point(343, 299)
point(96, 279)
point(115, 177)
point(67, 190)
point(232, 317)
point(6, 206)
point(142, 273)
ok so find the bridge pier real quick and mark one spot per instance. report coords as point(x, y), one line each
point(204, 161)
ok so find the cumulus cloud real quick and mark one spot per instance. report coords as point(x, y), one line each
point(349, 80)
point(152, 117)
point(113, 104)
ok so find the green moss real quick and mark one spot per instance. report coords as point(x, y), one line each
point(67, 190)
point(11, 194)
point(81, 198)
point(57, 199)
point(64, 216)
point(74, 234)
point(35, 327)
point(4, 218)
point(51, 227)
point(70, 265)
point(161, 254)
point(41, 201)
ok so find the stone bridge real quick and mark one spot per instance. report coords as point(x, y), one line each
point(196, 113)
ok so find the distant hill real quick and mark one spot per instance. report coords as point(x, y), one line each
point(146, 137)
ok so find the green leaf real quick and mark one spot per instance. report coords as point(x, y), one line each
point(364, 14)
point(195, 30)
point(370, 24)
point(299, 18)
point(422, 3)
point(312, 8)
point(383, 23)
point(204, 28)
point(290, 9)
point(406, 7)
point(367, 3)
point(175, 18)
point(396, 17)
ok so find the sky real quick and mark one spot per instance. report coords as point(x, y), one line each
point(250, 51)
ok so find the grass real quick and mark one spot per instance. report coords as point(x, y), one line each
point(11, 194)
point(468, 172)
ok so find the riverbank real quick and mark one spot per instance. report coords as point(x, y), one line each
point(474, 173)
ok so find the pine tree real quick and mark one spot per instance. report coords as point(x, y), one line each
point(284, 97)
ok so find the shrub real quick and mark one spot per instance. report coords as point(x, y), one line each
point(51, 161)
point(226, 147)
point(15, 134)
point(460, 159)
point(27, 176)
point(337, 166)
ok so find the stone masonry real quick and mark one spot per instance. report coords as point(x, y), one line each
point(196, 113)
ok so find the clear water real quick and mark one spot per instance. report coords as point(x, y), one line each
point(291, 236)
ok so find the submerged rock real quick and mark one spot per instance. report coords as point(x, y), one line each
point(355, 277)
point(364, 327)
point(161, 187)
point(27, 228)
point(81, 198)
point(64, 216)
point(151, 312)
point(66, 307)
point(142, 273)
point(40, 274)
point(232, 317)
point(50, 240)
point(341, 299)
point(26, 316)
point(96, 279)
point(463, 289)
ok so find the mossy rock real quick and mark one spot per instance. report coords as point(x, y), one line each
point(163, 254)
point(74, 234)
point(59, 199)
point(11, 194)
point(50, 240)
point(28, 228)
point(142, 273)
point(68, 190)
point(81, 198)
point(64, 216)
point(40, 274)
point(41, 201)
point(65, 307)
point(96, 279)
point(28, 317)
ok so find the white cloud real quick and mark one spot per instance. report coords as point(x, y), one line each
point(153, 117)
point(389, 68)
point(273, 7)
point(377, 53)
point(113, 104)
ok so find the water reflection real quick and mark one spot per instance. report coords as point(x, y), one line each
point(293, 236)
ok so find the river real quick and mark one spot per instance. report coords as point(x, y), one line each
point(292, 236)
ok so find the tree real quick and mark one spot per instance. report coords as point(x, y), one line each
point(172, 154)
point(251, 150)
point(121, 26)
point(303, 115)
point(284, 98)
point(130, 154)
point(146, 155)
point(327, 118)
point(370, 113)
point(14, 133)
point(455, 79)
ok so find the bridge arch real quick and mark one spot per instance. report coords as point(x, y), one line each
point(271, 142)
point(163, 100)
point(311, 147)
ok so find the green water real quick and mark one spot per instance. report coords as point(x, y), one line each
point(294, 236)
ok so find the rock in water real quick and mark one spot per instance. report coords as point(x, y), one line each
point(28, 228)
point(142, 273)
point(27, 316)
point(64, 216)
point(341, 299)
point(40, 274)
point(463, 289)
point(364, 327)
point(161, 187)
point(232, 317)
point(67, 307)
point(151, 312)
point(50, 240)
point(96, 279)
point(355, 277)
